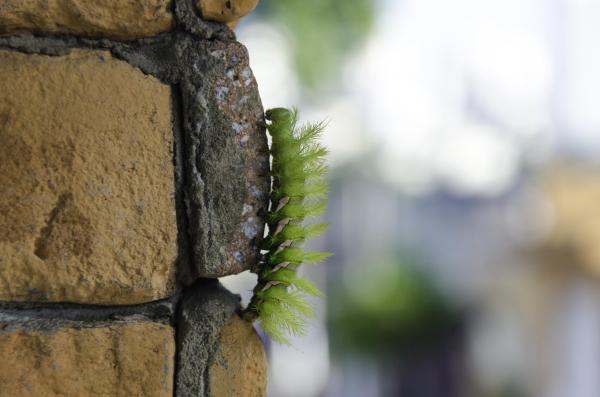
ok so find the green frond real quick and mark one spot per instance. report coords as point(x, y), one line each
point(292, 254)
point(292, 232)
point(313, 153)
point(285, 276)
point(278, 321)
point(317, 189)
point(296, 232)
point(292, 300)
point(315, 229)
point(307, 286)
point(290, 278)
point(298, 171)
point(298, 210)
point(315, 209)
point(295, 209)
point(310, 132)
point(292, 189)
point(315, 257)
point(298, 255)
point(316, 171)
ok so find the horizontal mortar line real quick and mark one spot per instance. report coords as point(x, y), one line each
point(71, 40)
point(58, 45)
point(33, 312)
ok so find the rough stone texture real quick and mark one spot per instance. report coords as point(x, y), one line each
point(204, 322)
point(226, 159)
point(226, 10)
point(203, 311)
point(223, 151)
point(120, 360)
point(117, 19)
point(239, 368)
point(188, 16)
point(87, 211)
point(574, 195)
point(92, 171)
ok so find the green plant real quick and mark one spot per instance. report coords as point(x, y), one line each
point(396, 309)
point(323, 30)
point(298, 192)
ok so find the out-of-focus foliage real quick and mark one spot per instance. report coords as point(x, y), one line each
point(322, 32)
point(389, 312)
point(508, 390)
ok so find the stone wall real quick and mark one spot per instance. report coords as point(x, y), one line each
point(133, 173)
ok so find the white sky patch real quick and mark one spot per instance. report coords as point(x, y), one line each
point(272, 64)
point(476, 159)
point(241, 284)
point(509, 74)
point(455, 94)
point(515, 67)
point(437, 72)
point(302, 369)
point(344, 135)
point(579, 87)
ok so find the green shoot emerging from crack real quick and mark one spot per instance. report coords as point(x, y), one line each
point(299, 191)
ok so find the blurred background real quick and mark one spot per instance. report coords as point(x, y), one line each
point(465, 194)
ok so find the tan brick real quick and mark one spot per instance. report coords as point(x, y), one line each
point(118, 19)
point(240, 365)
point(87, 209)
point(135, 359)
point(226, 10)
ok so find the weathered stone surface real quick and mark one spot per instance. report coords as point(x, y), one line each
point(218, 353)
point(118, 19)
point(224, 155)
point(87, 211)
point(204, 310)
point(226, 10)
point(120, 360)
point(226, 159)
point(240, 364)
point(188, 17)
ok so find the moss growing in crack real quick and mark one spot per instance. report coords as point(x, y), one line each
point(298, 192)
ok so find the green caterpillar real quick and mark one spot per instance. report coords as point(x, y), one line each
point(298, 191)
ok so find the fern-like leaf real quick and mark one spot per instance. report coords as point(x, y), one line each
point(299, 191)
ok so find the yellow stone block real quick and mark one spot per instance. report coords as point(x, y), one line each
point(226, 10)
point(240, 365)
point(117, 19)
point(87, 210)
point(132, 359)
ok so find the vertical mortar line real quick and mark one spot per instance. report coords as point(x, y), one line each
point(207, 380)
point(185, 257)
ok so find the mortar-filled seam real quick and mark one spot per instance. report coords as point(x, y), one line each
point(180, 153)
point(24, 312)
point(56, 45)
